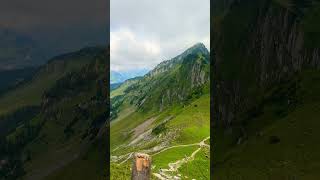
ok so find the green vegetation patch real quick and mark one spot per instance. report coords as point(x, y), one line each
point(120, 172)
point(162, 159)
point(199, 168)
point(273, 146)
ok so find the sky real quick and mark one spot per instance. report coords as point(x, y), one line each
point(144, 33)
point(58, 25)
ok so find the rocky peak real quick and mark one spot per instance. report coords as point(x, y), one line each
point(197, 48)
point(164, 66)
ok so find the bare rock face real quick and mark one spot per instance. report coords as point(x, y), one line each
point(272, 50)
point(141, 168)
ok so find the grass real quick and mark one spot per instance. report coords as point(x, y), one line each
point(125, 111)
point(194, 121)
point(172, 155)
point(31, 93)
point(92, 163)
point(172, 94)
point(120, 90)
point(120, 172)
point(51, 144)
point(199, 168)
point(294, 156)
point(120, 130)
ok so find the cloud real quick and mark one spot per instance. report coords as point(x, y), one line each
point(58, 26)
point(31, 14)
point(145, 32)
point(128, 51)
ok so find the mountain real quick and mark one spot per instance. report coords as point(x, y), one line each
point(120, 76)
point(45, 78)
point(265, 68)
point(162, 111)
point(55, 122)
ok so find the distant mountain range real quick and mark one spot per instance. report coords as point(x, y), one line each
point(120, 76)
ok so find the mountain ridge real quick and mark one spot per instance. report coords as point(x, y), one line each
point(161, 67)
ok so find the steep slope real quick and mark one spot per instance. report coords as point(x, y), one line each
point(67, 113)
point(166, 114)
point(30, 92)
point(264, 53)
point(83, 96)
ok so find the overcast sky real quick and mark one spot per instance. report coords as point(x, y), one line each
point(60, 25)
point(145, 32)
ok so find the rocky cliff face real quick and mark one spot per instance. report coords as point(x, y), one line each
point(179, 77)
point(267, 47)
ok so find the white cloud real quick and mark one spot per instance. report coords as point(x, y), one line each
point(146, 32)
point(127, 51)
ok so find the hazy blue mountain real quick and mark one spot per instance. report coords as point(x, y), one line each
point(121, 76)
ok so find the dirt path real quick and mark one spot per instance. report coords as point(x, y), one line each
point(128, 155)
point(173, 167)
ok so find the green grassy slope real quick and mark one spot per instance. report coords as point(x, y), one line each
point(91, 166)
point(30, 93)
point(67, 126)
point(68, 138)
point(168, 110)
point(120, 90)
point(190, 124)
point(282, 144)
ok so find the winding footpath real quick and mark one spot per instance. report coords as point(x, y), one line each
point(173, 167)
